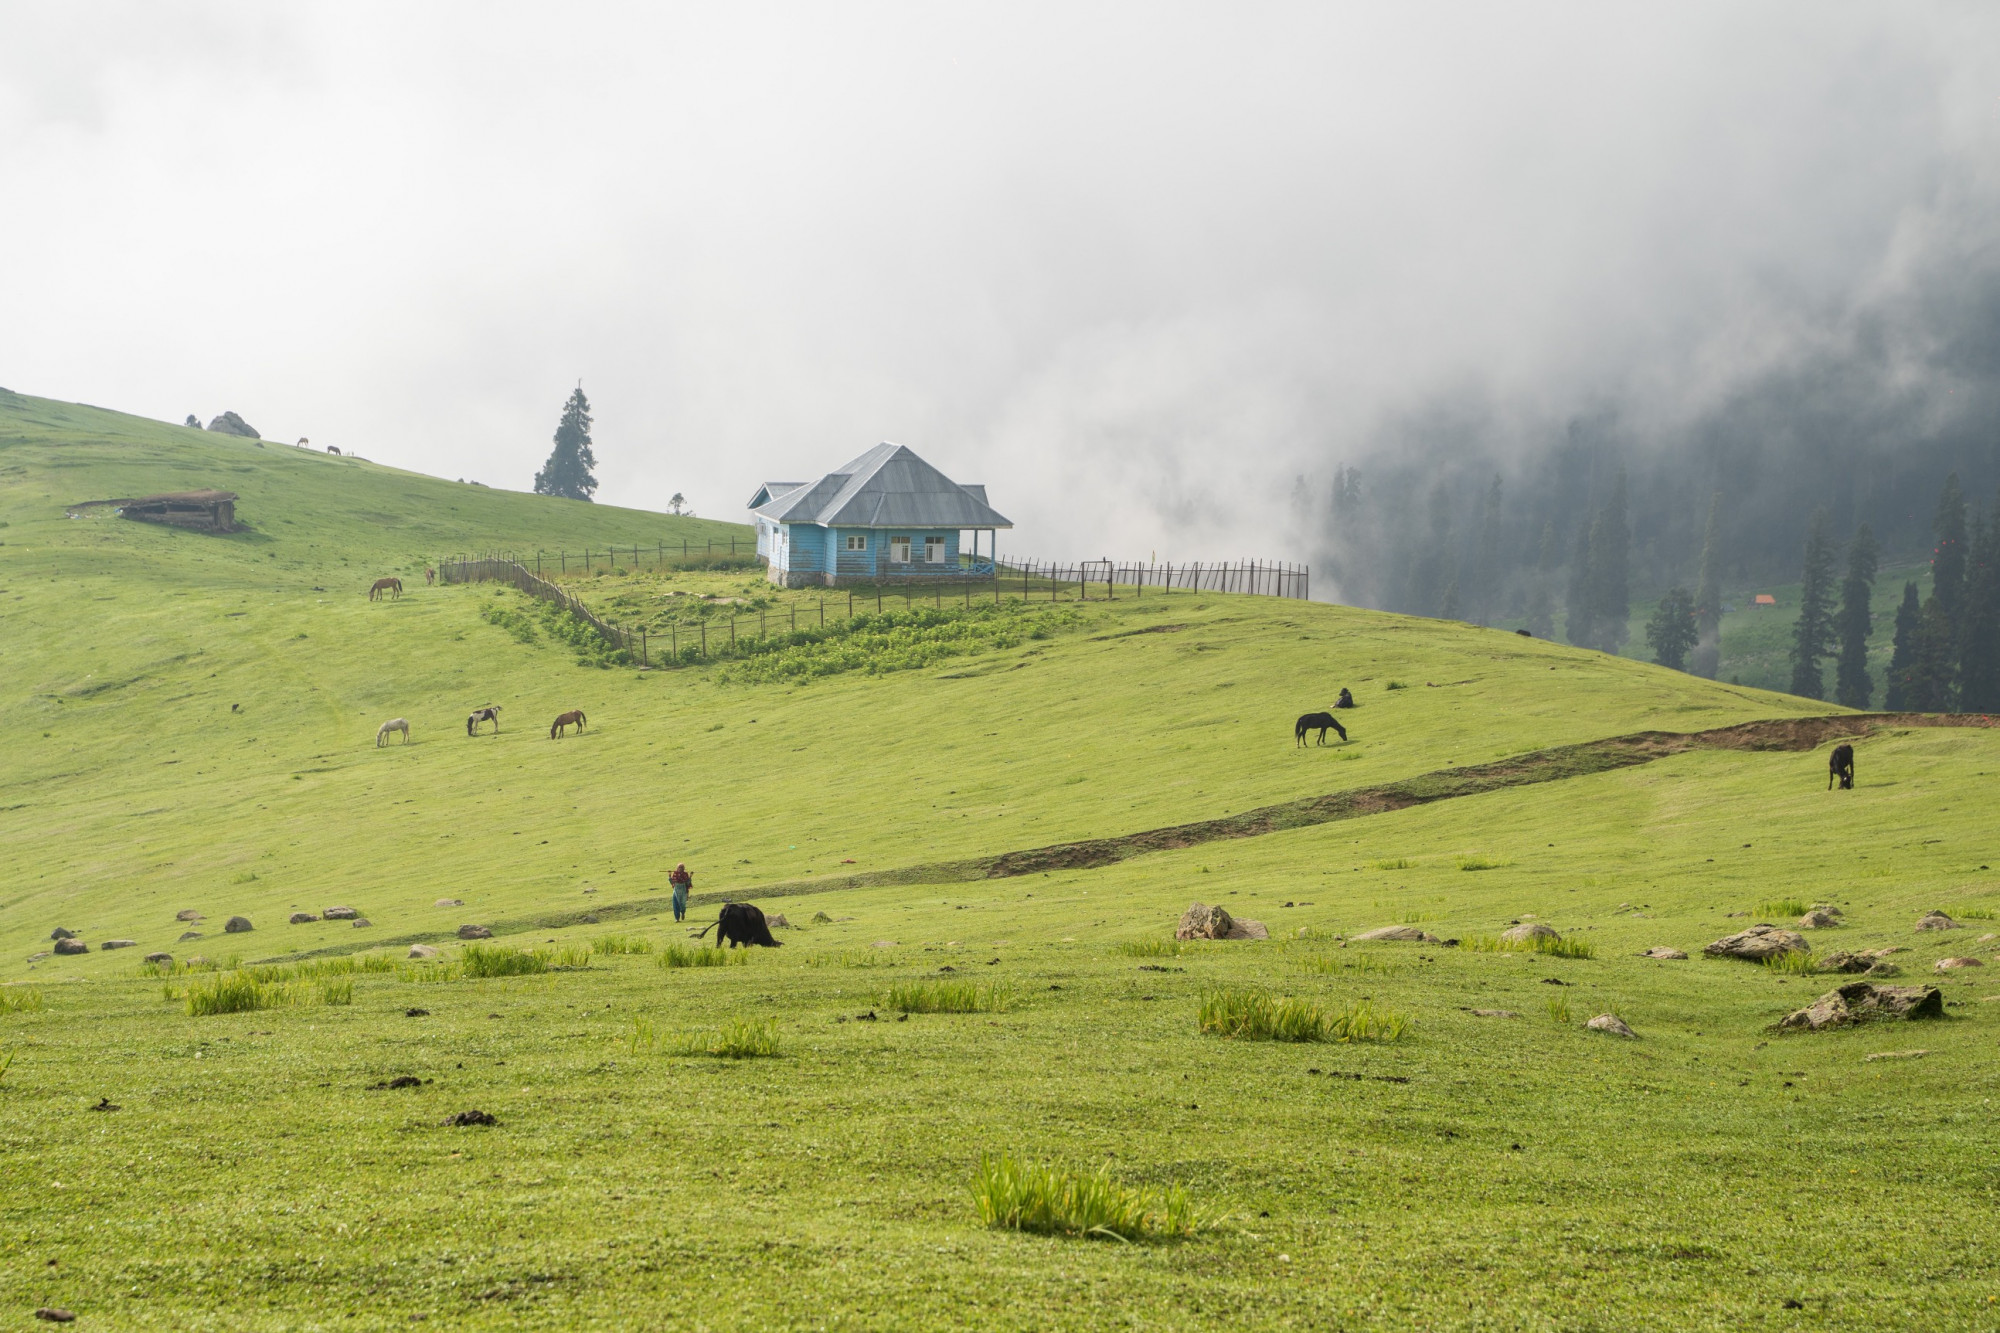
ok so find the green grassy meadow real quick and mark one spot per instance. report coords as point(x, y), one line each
point(194, 722)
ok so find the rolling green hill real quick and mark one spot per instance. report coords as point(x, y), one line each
point(194, 722)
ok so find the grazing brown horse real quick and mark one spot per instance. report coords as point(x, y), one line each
point(430, 575)
point(574, 715)
point(333, 449)
point(392, 586)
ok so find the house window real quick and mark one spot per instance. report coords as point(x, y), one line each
point(859, 543)
point(933, 550)
point(899, 550)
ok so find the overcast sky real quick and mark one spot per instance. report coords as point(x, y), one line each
point(1133, 266)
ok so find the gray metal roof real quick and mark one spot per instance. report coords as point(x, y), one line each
point(771, 490)
point(887, 487)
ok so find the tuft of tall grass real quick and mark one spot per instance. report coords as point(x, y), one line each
point(1393, 863)
point(1479, 863)
point(485, 960)
point(1151, 948)
point(1971, 913)
point(1026, 1196)
point(14, 1001)
point(336, 992)
point(230, 993)
point(695, 955)
point(1784, 907)
point(949, 997)
point(610, 944)
point(1791, 962)
point(1559, 1008)
point(180, 969)
point(1261, 1016)
point(569, 958)
point(1398, 685)
point(430, 972)
point(1540, 944)
point(644, 1038)
point(743, 1039)
point(6, 1063)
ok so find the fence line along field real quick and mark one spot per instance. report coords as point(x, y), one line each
point(427, 1046)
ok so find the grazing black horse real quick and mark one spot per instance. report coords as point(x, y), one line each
point(490, 713)
point(1840, 764)
point(740, 923)
point(1322, 721)
point(1346, 699)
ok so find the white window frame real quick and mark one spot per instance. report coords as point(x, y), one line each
point(899, 550)
point(934, 544)
point(857, 541)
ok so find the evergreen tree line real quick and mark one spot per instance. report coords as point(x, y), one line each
point(1946, 655)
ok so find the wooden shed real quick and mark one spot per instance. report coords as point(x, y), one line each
point(209, 511)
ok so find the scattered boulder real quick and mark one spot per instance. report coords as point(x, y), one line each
point(66, 947)
point(196, 960)
point(777, 920)
point(231, 424)
point(340, 914)
point(474, 933)
point(55, 1314)
point(1937, 921)
point(117, 944)
point(423, 951)
point(38, 957)
point(187, 914)
point(236, 925)
point(1859, 1000)
point(472, 1118)
point(360, 922)
point(59, 933)
point(821, 918)
point(190, 935)
point(1898, 1055)
point(1406, 933)
point(449, 902)
point(1818, 919)
point(1662, 951)
point(1492, 1013)
point(301, 918)
point(1758, 943)
point(1943, 964)
point(1243, 928)
point(416, 1013)
point(1528, 932)
point(1203, 923)
point(159, 958)
point(1612, 1025)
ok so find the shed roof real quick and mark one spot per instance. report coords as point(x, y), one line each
point(887, 487)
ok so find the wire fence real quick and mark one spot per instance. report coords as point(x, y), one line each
point(1026, 580)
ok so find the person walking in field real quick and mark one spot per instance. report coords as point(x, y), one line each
point(682, 882)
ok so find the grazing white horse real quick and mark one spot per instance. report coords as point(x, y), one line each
point(401, 724)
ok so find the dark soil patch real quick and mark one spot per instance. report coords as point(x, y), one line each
point(472, 1118)
point(400, 1081)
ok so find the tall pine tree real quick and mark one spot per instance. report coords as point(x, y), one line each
point(1813, 635)
point(1672, 630)
point(1852, 685)
point(1927, 684)
point(1609, 581)
point(1707, 658)
point(1948, 557)
point(570, 469)
point(1486, 575)
point(1541, 608)
point(1578, 619)
point(1908, 615)
point(1979, 635)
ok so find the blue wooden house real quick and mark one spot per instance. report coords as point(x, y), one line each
point(886, 517)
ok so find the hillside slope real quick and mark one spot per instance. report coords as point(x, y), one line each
point(196, 715)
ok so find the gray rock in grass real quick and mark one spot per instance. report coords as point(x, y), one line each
point(821, 918)
point(231, 424)
point(236, 925)
point(776, 920)
point(68, 946)
point(1937, 921)
point(117, 944)
point(1243, 928)
point(1611, 1025)
point(340, 914)
point(1201, 922)
point(301, 918)
point(1860, 1000)
point(38, 957)
point(1407, 934)
point(61, 933)
point(1531, 930)
point(1942, 964)
point(190, 935)
point(1758, 943)
point(159, 958)
point(469, 932)
point(449, 902)
point(1818, 919)
point(187, 914)
point(423, 951)
point(361, 922)
point(1492, 1013)
point(1662, 951)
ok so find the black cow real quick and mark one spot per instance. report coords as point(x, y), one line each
point(1346, 699)
point(740, 923)
point(1322, 721)
point(1840, 764)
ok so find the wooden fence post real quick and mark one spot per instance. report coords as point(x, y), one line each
point(704, 638)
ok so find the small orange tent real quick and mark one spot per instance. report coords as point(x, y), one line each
point(1765, 599)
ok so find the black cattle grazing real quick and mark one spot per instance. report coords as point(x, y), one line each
point(490, 713)
point(1346, 699)
point(1526, 634)
point(1321, 721)
point(1840, 764)
point(740, 923)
